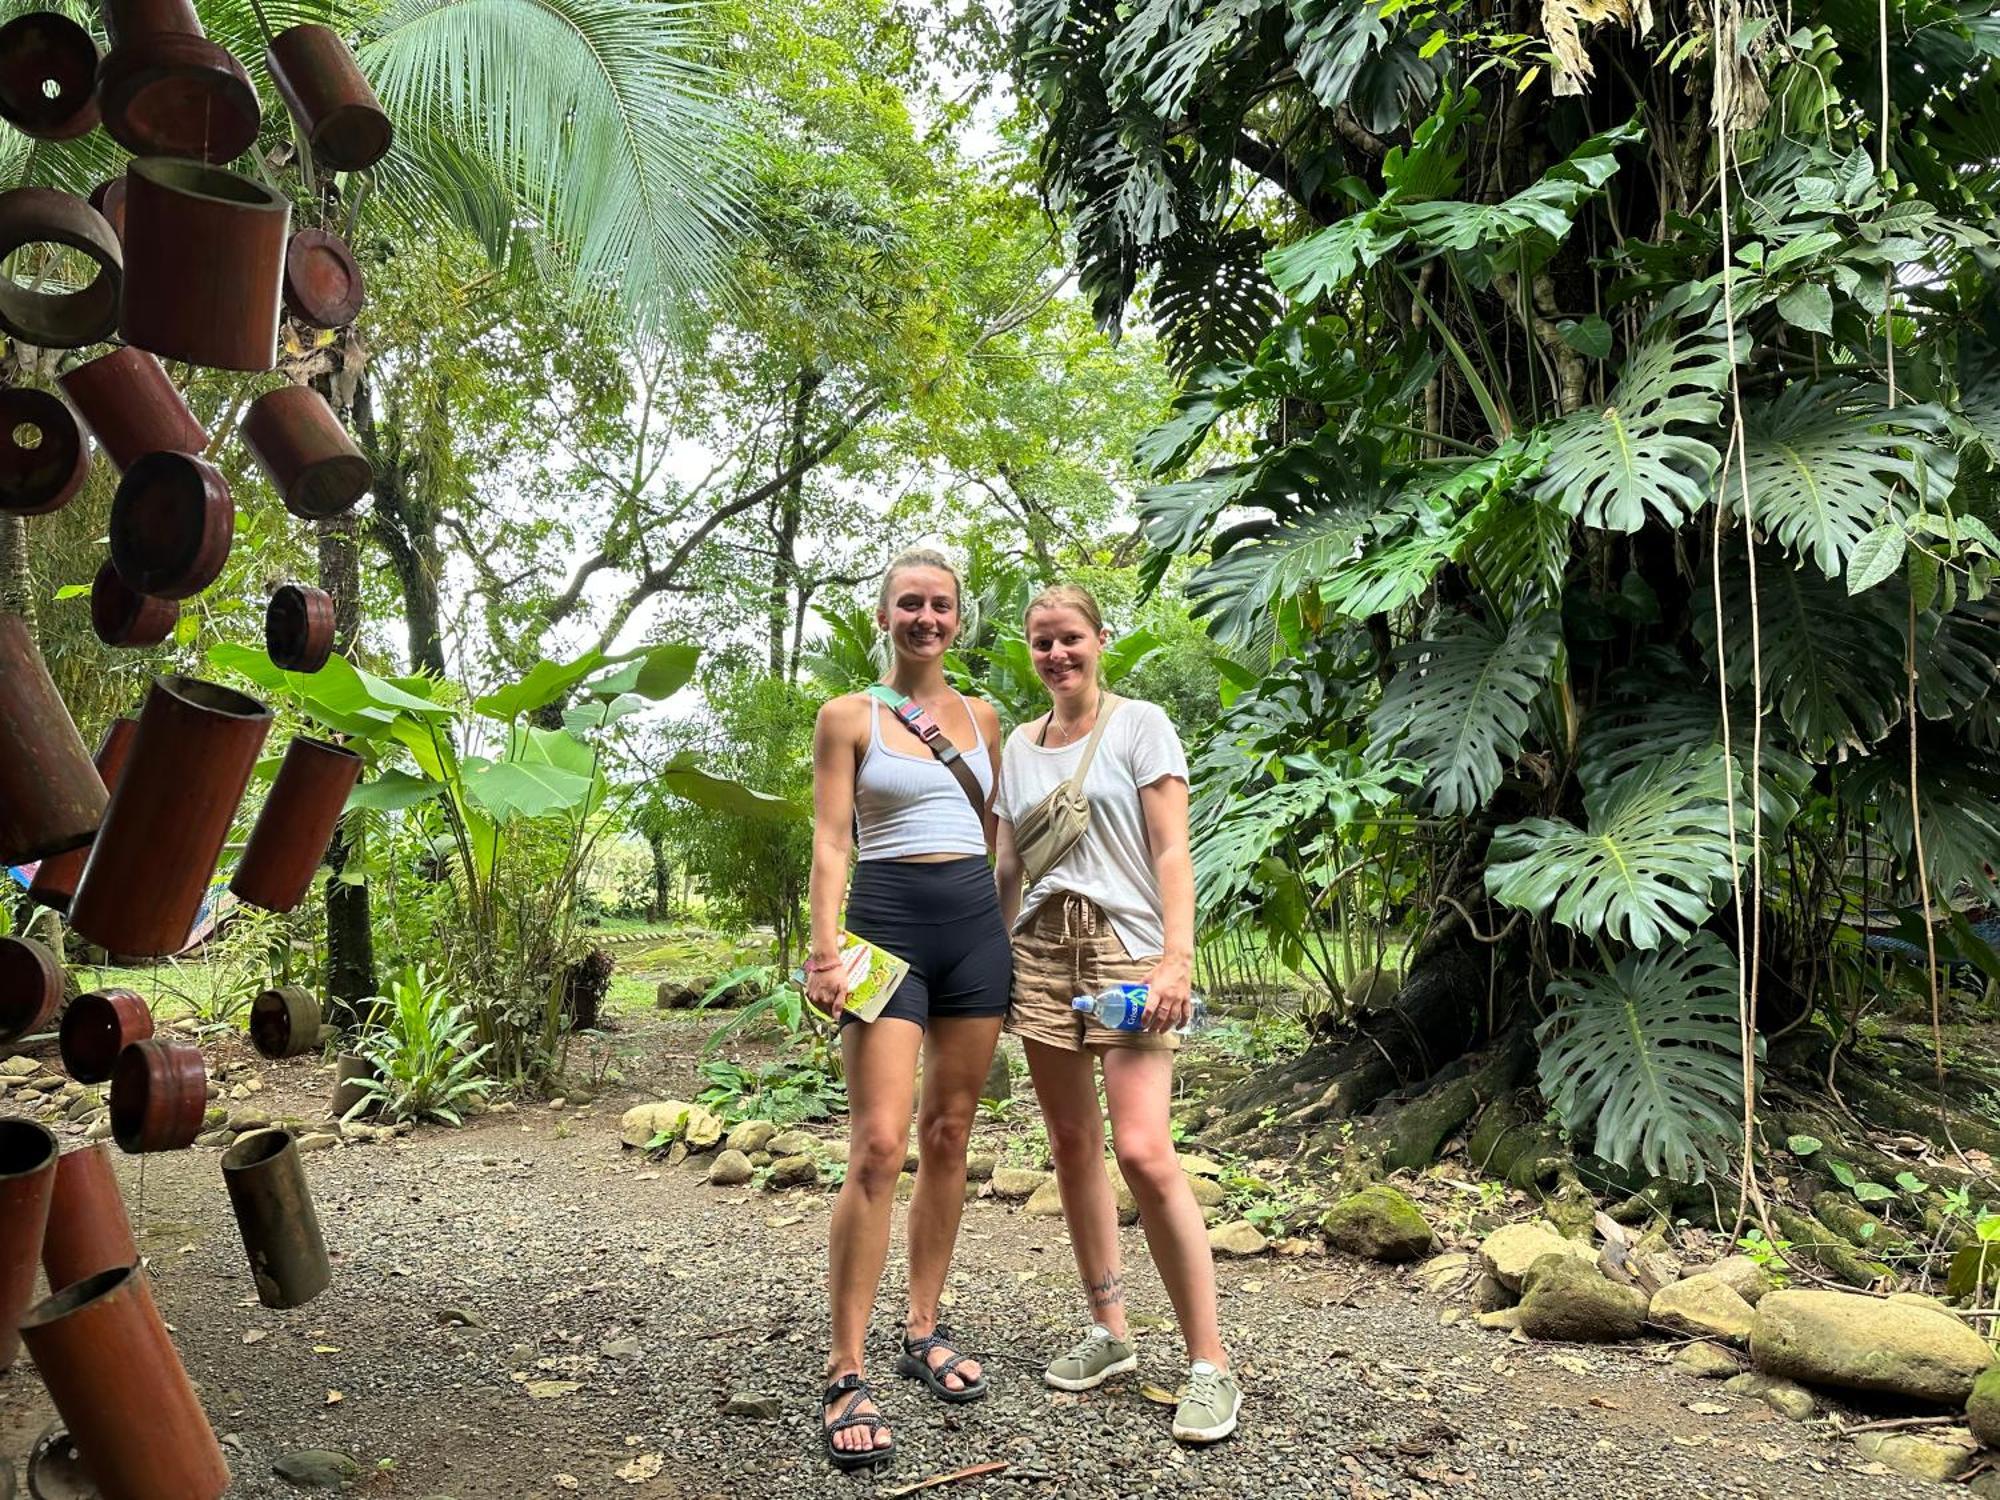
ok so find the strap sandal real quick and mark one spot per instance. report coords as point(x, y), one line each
point(915, 1362)
point(847, 1459)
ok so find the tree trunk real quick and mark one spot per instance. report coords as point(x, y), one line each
point(663, 879)
point(407, 527)
point(17, 583)
point(350, 939)
point(787, 513)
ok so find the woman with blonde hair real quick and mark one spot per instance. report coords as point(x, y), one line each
point(1116, 906)
point(905, 771)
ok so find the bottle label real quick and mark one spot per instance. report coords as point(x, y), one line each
point(1134, 996)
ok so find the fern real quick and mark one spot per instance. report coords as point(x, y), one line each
point(1459, 704)
point(1648, 869)
point(1649, 1059)
point(1610, 466)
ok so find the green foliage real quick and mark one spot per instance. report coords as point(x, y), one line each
point(1648, 1058)
point(783, 1092)
point(422, 1046)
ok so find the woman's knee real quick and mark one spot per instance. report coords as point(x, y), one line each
point(1147, 1162)
point(875, 1156)
point(944, 1136)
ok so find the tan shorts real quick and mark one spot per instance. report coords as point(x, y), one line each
point(1070, 948)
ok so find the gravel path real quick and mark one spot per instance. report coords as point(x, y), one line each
point(615, 1305)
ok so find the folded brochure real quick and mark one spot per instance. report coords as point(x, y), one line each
point(872, 976)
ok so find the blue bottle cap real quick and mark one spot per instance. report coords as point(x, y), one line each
point(1083, 1002)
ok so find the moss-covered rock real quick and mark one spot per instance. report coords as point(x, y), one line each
point(1705, 1306)
point(643, 1124)
point(1564, 1298)
point(1982, 1407)
point(1910, 1348)
point(1378, 1223)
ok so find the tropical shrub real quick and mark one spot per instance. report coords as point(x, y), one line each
point(424, 1052)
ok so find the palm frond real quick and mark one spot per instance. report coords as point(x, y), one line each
point(602, 117)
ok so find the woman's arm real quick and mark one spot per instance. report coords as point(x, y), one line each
point(834, 766)
point(1007, 872)
point(1169, 1000)
point(987, 717)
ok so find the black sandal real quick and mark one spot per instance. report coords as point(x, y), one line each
point(846, 1459)
point(915, 1362)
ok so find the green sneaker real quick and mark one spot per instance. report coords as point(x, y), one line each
point(1207, 1412)
point(1092, 1362)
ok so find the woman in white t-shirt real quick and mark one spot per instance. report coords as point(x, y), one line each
point(1117, 908)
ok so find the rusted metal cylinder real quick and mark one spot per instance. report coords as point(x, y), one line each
point(59, 319)
point(325, 91)
point(98, 1027)
point(350, 1071)
point(206, 264)
point(132, 408)
point(298, 627)
point(54, 885)
point(88, 1230)
point(43, 457)
point(27, 1177)
point(122, 616)
point(323, 285)
point(310, 460)
point(274, 1211)
point(51, 797)
point(55, 1468)
point(159, 1096)
point(48, 77)
point(111, 1369)
point(295, 824)
point(155, 856)
point(166, 90)
point(108, 198)
point(284, 1022)
point(31, 987)
point(172, 525)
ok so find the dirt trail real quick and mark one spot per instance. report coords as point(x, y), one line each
point(615, 1305)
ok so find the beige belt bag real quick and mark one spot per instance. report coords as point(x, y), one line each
point(1055, 825)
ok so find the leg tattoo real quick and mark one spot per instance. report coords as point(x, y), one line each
point(1106, 1291)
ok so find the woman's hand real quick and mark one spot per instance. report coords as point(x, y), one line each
point(1169, 995)
point(826, 984)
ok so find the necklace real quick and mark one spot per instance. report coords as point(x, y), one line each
point(1069, 731)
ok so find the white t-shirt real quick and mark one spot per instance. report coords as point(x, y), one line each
point(1113, 862)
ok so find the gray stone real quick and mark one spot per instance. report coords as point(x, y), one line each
point(1378, 1223)
point(762, 1408)
point(751, 1135)
point(215, 1138)
point(701, 1129)
point(1564, 1298)
point(1239, 1238)
point(1016, 1183)
point(1512, 1248)
point(1045, 1202)
point(980, 1166)
point(1208, 1193)
point(794, 1143)
point(1445, 1273)
point(243, 1121)
point(1704, 1306)
point(100, 1130)
point(82, 1107)
point(459, 1317)
point(642, 1124)
point(620, 1348)
point(1939, 1456)
point(1706, 1361)
point(1900, 1347)
point(316, 1468)
point(731, 1168)
point(1787, 1398)
point(1743, 1275)
point(793, 1171)
point(19, 1067)
point(318, 1140)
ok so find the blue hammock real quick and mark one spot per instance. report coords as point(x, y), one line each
point(1988, 932)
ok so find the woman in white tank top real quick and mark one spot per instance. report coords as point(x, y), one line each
point(923, 890)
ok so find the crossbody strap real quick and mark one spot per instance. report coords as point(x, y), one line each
point(914, 717)
point(1105, 708)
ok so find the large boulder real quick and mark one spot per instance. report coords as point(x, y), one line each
point(643, 1124)
point(1563, 1297)
point(701, 1129)
point(1982, 1408)
point(730, 1169)
point(1907, 1347)
point(751, 1135)
point(1512, 1248)
point(1378, 1223)
point(1704, 1306)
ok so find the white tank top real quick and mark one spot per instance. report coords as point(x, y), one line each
point(910, 803)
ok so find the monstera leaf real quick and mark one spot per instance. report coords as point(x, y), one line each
point(1827, 465)
point(1956, 801)
point(1211, 298)
point(1648, 1059)
point(1612, 465)
point(1833, 664)
point(1345, 54)
point(1459, 705)
point(1647, 870)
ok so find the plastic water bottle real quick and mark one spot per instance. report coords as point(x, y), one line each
point(1122, 1007)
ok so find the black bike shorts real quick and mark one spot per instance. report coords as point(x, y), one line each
point(943, 918)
